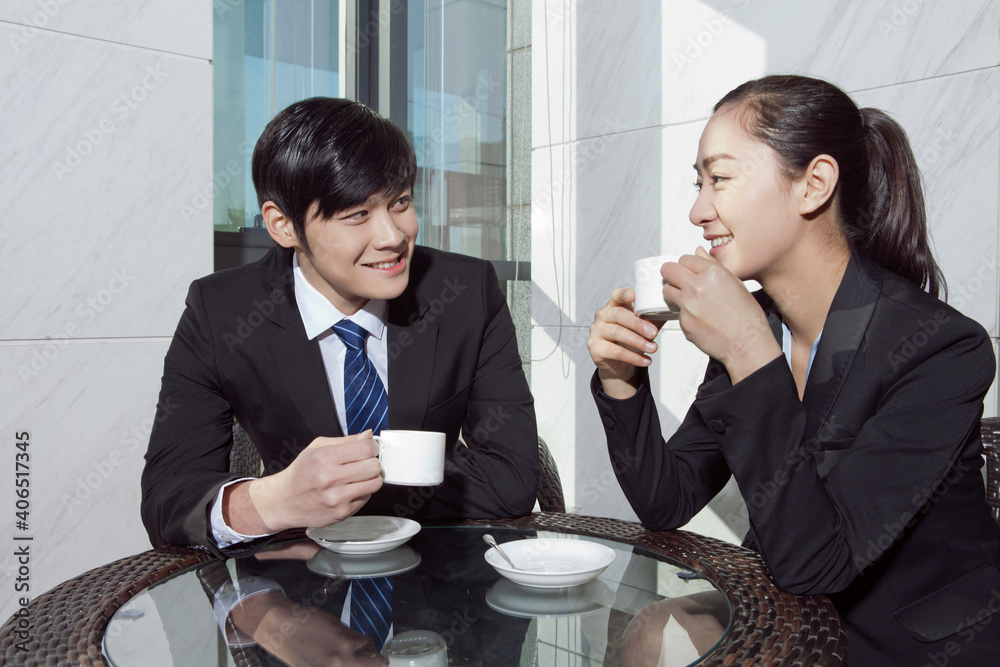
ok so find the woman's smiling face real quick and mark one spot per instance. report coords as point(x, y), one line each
point(745, 204)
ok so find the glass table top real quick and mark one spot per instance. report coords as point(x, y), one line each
point(449, 607)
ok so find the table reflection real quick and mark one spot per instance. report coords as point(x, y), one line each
point(449, 607)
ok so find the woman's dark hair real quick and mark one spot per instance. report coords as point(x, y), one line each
point(878, 197)
point(334, 152)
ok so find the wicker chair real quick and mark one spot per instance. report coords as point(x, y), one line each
point(549, 493)
point(991, 445)
point(245, 460)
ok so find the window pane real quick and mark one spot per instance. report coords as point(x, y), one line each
point(268, 54)
point(456, 115)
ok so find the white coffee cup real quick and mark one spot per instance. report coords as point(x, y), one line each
point(416, 648)
point(411, 458)
point(647, 283)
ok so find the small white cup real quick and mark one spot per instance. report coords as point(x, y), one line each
point(411, 458)
point(647, 283)
point(416, 648)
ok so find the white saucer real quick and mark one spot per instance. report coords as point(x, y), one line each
point(509, 598)
point(552, 562)
point(364, 566)
point(364, 534)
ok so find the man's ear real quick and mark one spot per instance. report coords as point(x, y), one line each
point(816, 185)
point(279, 226)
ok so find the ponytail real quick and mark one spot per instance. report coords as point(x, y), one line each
point(895, 235)
point(879, 200)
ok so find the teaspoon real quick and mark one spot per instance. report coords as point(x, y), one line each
point(493, 543)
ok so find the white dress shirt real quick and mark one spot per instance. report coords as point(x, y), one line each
point(319, 316)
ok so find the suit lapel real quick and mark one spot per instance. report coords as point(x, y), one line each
point(846, 323)
point(300, 365)
point(412, 347)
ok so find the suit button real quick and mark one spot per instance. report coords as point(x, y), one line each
point(608, 422)
point(718, 426)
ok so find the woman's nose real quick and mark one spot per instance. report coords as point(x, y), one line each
point(702, 211)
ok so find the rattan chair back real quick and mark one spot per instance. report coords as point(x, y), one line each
point(991, 445)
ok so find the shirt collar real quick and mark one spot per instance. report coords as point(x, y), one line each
point(319, 315)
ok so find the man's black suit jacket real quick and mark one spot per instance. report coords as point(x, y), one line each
point(241, 350)
point(869, 489)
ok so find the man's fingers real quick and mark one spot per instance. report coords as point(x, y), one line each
point(357, 441)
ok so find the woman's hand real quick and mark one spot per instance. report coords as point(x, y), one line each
point(719, 315)
point(620, 341)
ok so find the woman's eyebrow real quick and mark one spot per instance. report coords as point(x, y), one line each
point(712, 158)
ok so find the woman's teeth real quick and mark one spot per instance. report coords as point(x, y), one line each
point(721, 240)
point(384, 265)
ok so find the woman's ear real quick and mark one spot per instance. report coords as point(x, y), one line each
point(816, 185)
point(279, 226)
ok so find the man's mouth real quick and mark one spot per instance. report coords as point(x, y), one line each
point(389, 265)
point(384, 265)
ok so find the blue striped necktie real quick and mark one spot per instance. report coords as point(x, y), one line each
point(366, 403)
point(366, 406)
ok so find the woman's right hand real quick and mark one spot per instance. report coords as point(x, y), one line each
point(620, 341)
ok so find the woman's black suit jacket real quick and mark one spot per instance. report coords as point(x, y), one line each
point(868, 489)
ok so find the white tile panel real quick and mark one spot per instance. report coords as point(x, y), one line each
point(175, 26)
point(107, 172)
point(89, 414)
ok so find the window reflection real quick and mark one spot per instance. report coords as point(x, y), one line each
point(456, 115)
point(267, 55)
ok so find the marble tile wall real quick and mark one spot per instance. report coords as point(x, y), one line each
point(107, 173)
point(621, 92)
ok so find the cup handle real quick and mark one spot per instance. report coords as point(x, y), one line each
point(379, 441)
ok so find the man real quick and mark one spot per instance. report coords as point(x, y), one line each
point(334, 181)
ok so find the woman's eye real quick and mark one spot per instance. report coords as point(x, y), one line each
point(718, 179)
point(697, 185)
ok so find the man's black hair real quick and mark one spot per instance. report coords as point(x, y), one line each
point(333, 152)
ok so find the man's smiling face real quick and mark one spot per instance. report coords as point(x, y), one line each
point(360, 253)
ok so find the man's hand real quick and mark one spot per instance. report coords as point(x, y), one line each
point(300, 635)
point(327, 482)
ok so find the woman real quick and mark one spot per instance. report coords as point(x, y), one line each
point(843, 397)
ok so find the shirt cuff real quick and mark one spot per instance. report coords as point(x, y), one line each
point(232, 594)
point(223, 535)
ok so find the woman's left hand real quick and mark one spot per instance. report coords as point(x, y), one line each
point(719, 315)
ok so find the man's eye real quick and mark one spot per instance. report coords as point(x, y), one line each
point(719, 179)
point(697, 185)
point(403, 203)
